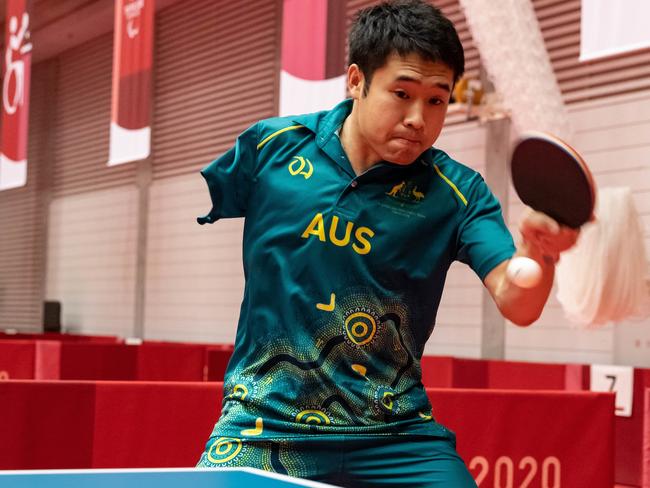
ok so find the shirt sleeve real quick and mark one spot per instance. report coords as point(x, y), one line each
point(229, 178)
point(484, 241)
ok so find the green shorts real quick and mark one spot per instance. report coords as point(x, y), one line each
point(349, 461)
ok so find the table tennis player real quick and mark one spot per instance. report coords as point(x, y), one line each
point(352, 220)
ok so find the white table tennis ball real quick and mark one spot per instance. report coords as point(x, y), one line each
point(524, 272)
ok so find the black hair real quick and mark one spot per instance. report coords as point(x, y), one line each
point(403, 27)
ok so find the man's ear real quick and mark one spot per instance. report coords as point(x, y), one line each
point(356, 81)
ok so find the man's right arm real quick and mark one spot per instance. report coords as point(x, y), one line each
point(229, 178)
point(542, 239)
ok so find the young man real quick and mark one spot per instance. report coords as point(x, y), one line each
point(352, 221)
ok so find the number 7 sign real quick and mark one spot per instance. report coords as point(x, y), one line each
point(617, 379)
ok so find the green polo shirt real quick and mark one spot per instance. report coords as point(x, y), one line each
point(344, 275)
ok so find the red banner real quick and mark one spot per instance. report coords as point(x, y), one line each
point(313, 69)
point(15, 95)
point(533, 439)
point(132, 62)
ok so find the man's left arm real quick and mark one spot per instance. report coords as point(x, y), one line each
point(542, 239)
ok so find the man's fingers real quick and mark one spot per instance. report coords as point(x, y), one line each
point(539, 222)
point(546, 234)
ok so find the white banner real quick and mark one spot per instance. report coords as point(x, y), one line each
point(613, 27)
point(306, 83)
point(299, 96)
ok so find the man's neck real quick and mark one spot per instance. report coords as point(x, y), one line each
point(361, 158)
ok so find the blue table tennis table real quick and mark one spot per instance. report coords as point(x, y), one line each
point(151, 478)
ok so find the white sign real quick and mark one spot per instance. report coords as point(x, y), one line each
point(613, 27)
point(617, 379)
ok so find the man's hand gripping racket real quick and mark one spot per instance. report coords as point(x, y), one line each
point(551, 178)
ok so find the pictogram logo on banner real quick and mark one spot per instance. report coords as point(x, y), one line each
point(132, 12)
point(14, 64)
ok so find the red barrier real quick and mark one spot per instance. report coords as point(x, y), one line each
point(146, 362)
point(26, 359)
point(217, 357)
point(76, 360)
point(80, 361)
point(153, 424)
point(629, 434)
point(46, 424)
point(520, 375)
point(449, 372)
point(48, 360)
point(72, 424)
point(17, 359)
point(171, 362)
point(55, 336)
point(533, 439)
point(646, 441)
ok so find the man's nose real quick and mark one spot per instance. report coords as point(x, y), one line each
point(415, 117)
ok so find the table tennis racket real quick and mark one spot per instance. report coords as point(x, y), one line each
point(551, 177)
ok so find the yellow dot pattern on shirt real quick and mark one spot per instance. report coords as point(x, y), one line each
point(360, 327)
point(317, 417)
point(224, 449)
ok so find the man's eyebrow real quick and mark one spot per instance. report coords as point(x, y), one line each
point(407, 78)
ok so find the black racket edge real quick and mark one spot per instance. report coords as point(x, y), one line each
point(566, 147)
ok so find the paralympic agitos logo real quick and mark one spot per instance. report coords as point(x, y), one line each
point(301, 166)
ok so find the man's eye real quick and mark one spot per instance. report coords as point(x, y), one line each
point(435, 101)
point(401, 94)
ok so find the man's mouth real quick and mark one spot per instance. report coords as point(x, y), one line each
point(407, 139)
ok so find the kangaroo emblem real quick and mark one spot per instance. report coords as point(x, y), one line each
point(417, 194)
point(396, 189)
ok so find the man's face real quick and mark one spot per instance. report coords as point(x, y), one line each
point(404, 109)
